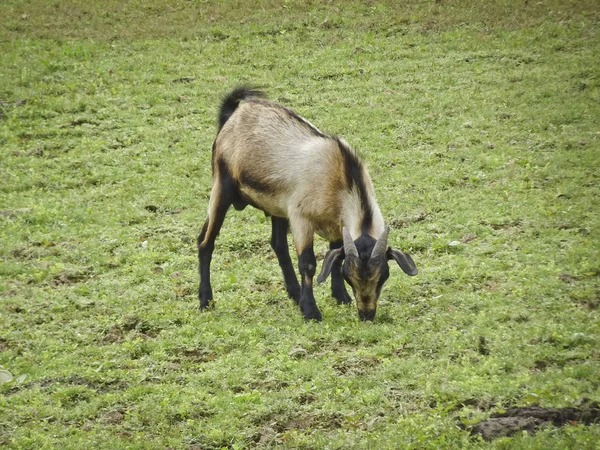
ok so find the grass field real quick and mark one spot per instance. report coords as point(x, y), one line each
point(479, 122)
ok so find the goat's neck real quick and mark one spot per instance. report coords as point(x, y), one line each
point(359, 218)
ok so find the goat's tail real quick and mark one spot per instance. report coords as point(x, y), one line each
point(232, 100)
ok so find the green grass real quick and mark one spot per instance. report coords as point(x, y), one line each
point(479, 124)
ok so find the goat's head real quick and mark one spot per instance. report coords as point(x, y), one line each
point(365, 268)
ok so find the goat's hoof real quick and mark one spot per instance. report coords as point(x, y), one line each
point(206, 306)
point(313, 315)
point(344, 300)
point(294, 295)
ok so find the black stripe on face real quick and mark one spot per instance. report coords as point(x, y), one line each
point(355, 178)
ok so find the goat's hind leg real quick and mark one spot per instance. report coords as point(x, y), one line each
point(221, 198)
point(280, 245)
point(338, 288)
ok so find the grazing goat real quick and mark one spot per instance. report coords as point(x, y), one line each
point(267, 156)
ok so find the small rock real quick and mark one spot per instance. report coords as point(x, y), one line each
point(5, 376)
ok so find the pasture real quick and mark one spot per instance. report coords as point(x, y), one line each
point(479, 123)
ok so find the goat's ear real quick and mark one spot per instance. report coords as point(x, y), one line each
point(404, 261)
point(330, 257)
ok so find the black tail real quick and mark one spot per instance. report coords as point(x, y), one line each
point(232, 100)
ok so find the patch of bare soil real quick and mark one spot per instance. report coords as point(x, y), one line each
point(273, 426)
point(531, 418)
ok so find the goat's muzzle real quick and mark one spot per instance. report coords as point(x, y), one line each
point(366, 314)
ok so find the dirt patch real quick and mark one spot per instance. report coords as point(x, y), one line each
point(79, 122)
point(531, 418)
point(273, 426)
point(468, 237)
point(14, 212)
point(114, 417)
point(402, 222)
point(506, 426)
point(590, 301)
point(568, 278)
point(114, 334)
point(183, 80)
point(504, 225)
point(96, 385)
point(4, 344)
point(130, 322)
point(327, 421)
point(162, 210)
point(100, 386)
point(356, 366)
point(74, 277)
point(5, 106)
point(482, 346)
point(14, 308)
point(268, 385)
point(196, 355)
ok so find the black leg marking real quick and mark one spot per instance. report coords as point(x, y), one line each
point(206, 247)
point(338, 288)
point(204, 257)
point(307, 264)
point(222, 196)
point(280, 245)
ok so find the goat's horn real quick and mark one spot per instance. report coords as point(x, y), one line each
point(380, 248)
point(349, 247)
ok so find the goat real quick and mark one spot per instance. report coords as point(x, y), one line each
point(267, 156)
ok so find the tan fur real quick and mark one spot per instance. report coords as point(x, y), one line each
point(302, 168)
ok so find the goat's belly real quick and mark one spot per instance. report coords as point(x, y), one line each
point(325, 225)
point(330, 231)
point(271, 205)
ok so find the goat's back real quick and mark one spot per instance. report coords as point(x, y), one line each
point(284, 165)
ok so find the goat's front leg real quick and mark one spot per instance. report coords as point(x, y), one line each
point(303, 233)
point(280, 245)
point(338, 288)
